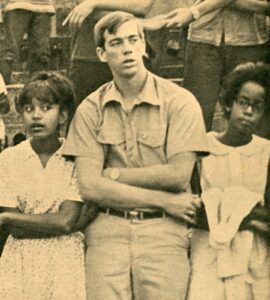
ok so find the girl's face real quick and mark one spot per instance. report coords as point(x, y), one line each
point(248, 108)
point(42, 119)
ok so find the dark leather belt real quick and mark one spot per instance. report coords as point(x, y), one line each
point(132, 214)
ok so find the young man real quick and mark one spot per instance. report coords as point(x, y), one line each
point(135, 141)
point(86, 71)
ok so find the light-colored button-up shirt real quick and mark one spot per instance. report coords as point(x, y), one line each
point(165, 120)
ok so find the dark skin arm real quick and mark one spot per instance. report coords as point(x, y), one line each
point(48, 224)
point(87, 214)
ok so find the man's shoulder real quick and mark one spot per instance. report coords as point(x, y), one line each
point(171, 92)
point(95, 99)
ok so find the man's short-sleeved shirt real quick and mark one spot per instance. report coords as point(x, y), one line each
point(165, 120)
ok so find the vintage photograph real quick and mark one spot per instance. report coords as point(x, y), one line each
point(135, 150)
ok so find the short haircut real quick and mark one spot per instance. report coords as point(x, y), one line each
point(111, 22)
point(249, 72)
point(50, 87)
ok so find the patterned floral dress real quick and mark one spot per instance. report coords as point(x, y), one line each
point(43, 268)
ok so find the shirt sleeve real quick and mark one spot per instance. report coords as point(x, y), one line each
point(186, 131)
point(82, 137)
point(8, 197)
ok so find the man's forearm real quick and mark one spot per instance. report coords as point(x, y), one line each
point(257, 6)
point(132, 6)
point(108, 193)
point(171, 177)
point(208, 6)
point(159, 177)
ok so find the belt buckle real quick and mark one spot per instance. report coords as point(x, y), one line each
point(133, 214)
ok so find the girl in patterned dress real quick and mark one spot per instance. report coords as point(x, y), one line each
point(43, 258)
point(231, 261)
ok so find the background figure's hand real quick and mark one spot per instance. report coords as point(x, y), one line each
point(76, 17)
point(179, 17)
point(153, 23)
point(184, 206)
point(262, 228)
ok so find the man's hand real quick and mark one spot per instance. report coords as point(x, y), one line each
point(154, 23)
point(76, 17)
point(179, 17)
point(183, 206)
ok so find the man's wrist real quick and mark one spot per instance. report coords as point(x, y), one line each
point(195, 12)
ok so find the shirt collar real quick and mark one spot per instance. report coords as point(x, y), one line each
point(29, 152)
point(217, 148)
point(148, 93)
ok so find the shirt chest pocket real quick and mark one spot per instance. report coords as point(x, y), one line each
point(151, 138)
point(152, 146)
point(111, 136)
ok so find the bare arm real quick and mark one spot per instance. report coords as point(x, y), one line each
point(171, 177)
point(257, 6)
point(85, 8)
point(88, 214)
point(183, 16)
point(58, 223)
point(108, 193)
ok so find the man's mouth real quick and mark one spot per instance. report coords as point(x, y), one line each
point(128, 61)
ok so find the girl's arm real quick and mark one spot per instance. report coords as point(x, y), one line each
point(88, 214)
point(61, 222)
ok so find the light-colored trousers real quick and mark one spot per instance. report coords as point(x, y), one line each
point(138, 259)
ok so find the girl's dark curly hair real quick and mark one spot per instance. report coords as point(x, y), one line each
point(256, 72)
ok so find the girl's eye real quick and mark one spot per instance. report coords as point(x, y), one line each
point(45, 107)
point(28, 108)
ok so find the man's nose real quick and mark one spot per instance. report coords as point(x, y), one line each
point(127, 47)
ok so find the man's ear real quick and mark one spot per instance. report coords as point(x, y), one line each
point(63, 116)
point(101, 53)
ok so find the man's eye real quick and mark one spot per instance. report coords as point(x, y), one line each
point(116, 43)
point(133, 40)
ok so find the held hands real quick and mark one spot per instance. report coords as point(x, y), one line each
point(184, 206)
point(76, 17)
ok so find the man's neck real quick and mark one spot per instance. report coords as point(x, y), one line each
point(131, 87)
